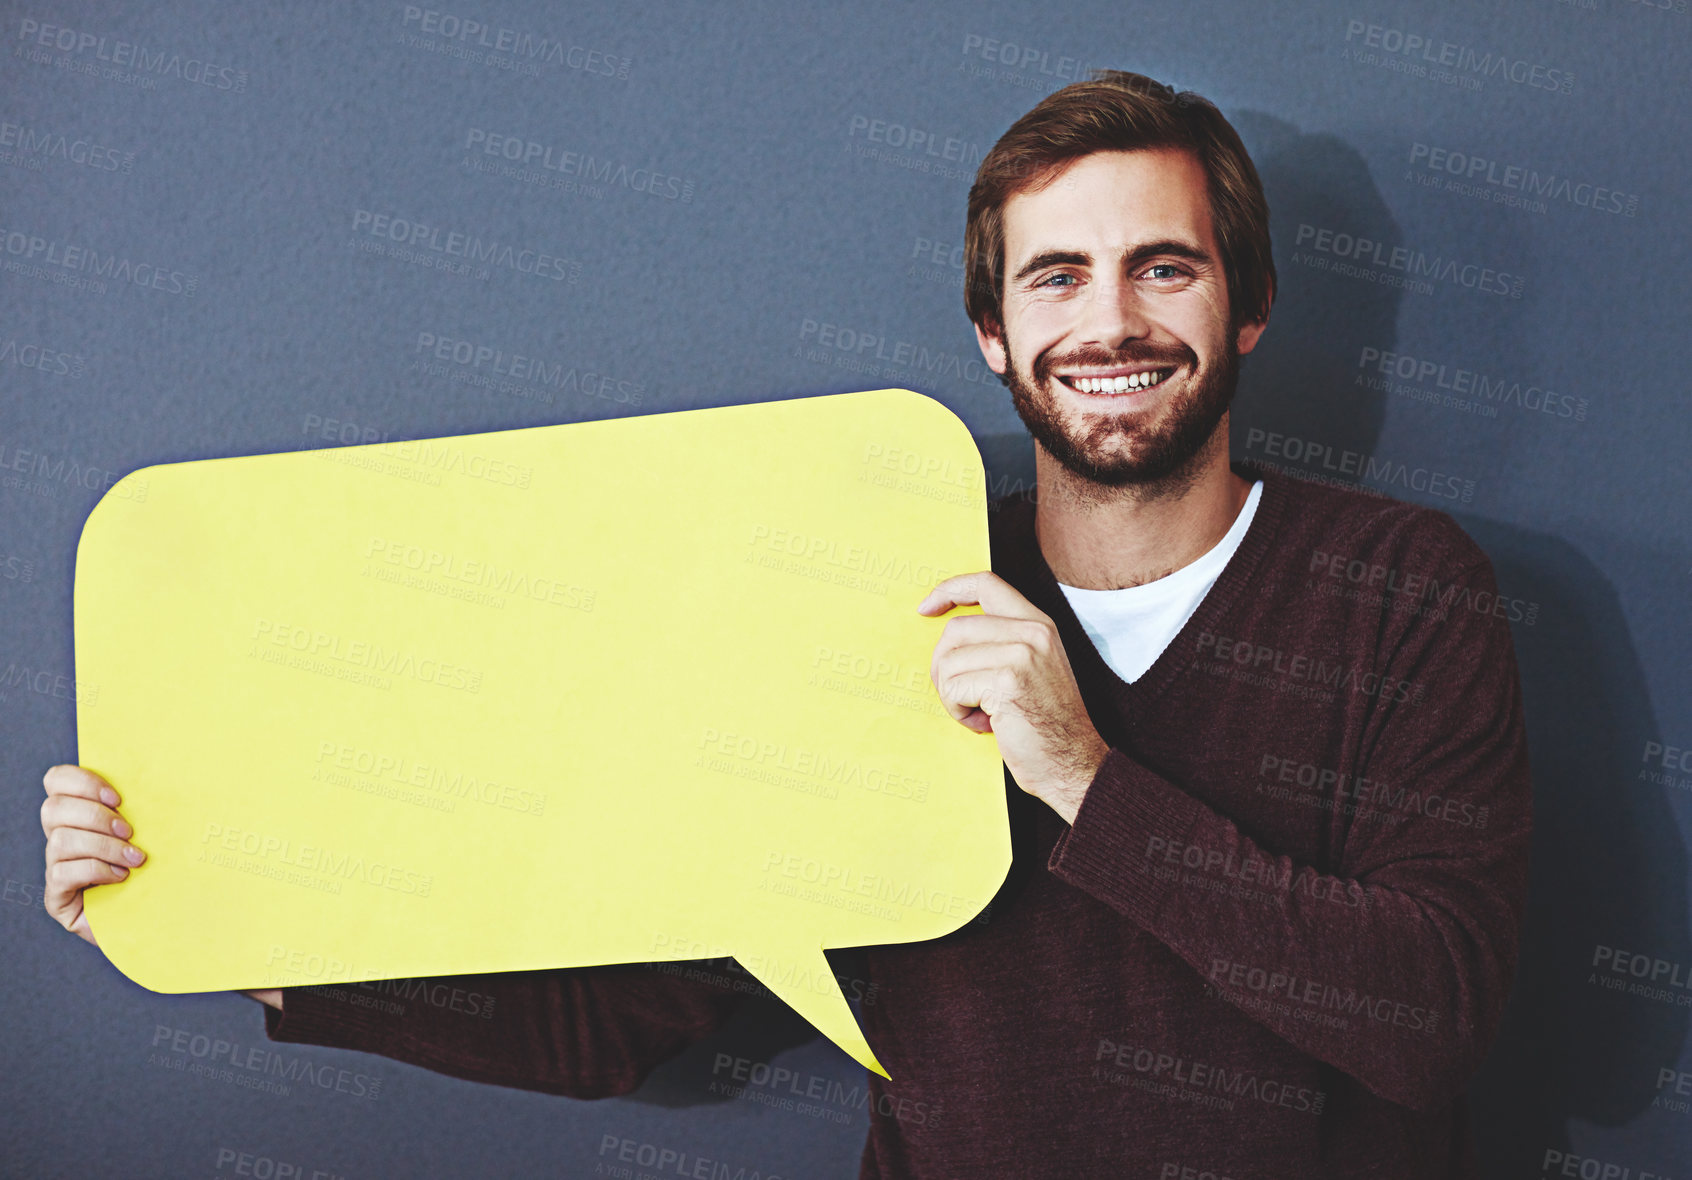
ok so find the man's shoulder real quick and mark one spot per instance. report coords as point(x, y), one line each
point(1322, 523)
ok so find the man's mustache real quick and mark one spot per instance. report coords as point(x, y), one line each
point(1170, 356)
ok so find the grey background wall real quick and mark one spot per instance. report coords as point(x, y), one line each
point(1479, 220)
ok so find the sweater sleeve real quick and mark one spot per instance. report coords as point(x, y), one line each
point(1395, 967)
point(581, 1032)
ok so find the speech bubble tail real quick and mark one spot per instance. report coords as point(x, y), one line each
point(803, 978)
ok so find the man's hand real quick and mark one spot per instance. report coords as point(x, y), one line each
point(1004, 672)
point(87, 842)
point(87, 845)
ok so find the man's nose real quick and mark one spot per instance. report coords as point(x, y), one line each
point(1113, 313)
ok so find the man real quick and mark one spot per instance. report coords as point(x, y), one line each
point(1267, 770)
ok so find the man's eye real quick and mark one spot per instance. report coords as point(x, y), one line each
point(1168, 271)
point(1061, 280)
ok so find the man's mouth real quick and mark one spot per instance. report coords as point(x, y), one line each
point(1109, 381)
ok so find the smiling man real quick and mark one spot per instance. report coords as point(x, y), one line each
point(1263, 743)
point(1265, 921)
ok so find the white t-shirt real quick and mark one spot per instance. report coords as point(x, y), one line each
point(1132, 626)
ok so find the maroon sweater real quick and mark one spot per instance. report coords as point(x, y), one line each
point(1276, 942)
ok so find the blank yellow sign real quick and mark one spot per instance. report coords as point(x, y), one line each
point(636, 690)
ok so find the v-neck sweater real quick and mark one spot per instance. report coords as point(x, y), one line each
point(1276, 942)
point(1132, 625)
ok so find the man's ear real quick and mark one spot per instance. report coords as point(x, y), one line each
point(991, 338)
point(1246, 336)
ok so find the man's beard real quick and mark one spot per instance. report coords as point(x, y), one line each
point(1158, 462)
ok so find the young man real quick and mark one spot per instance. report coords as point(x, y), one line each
point(1267, 769)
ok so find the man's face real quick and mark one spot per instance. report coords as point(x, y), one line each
point(1116, 342)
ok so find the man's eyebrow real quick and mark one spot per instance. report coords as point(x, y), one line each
point(1052, 258)
point(1168, 247)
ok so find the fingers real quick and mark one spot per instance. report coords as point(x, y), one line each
point(72, 843)
point(87, 842)
point(80, 782)
point(995, 635)
point(66, 879)
point(70, 811)
point(984, 588)
point(70, 877)
point(974, 693)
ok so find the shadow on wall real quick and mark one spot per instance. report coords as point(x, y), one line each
point(1609, 865)
point(1609, 870)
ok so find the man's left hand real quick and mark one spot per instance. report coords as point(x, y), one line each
point(1005, 672)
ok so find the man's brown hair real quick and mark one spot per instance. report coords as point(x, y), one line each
point(1119, 111)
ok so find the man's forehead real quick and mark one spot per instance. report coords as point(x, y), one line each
point(1112, 202)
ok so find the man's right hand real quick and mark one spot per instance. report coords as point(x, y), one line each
point(88, 844)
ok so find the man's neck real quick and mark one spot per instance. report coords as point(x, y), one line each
point(1101, 538)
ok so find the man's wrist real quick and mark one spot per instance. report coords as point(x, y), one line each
point(1065, 796)
point(271, 996)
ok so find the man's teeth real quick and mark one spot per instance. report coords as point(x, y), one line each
point(1118, 384)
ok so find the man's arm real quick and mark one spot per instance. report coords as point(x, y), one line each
point(582, 1032)
point(1395, 968)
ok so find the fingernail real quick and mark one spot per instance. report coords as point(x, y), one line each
point(119, 871)
point(121, 829)
point(133, 855)
point(108, 796)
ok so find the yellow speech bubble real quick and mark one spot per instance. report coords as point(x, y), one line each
point(625, 691)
